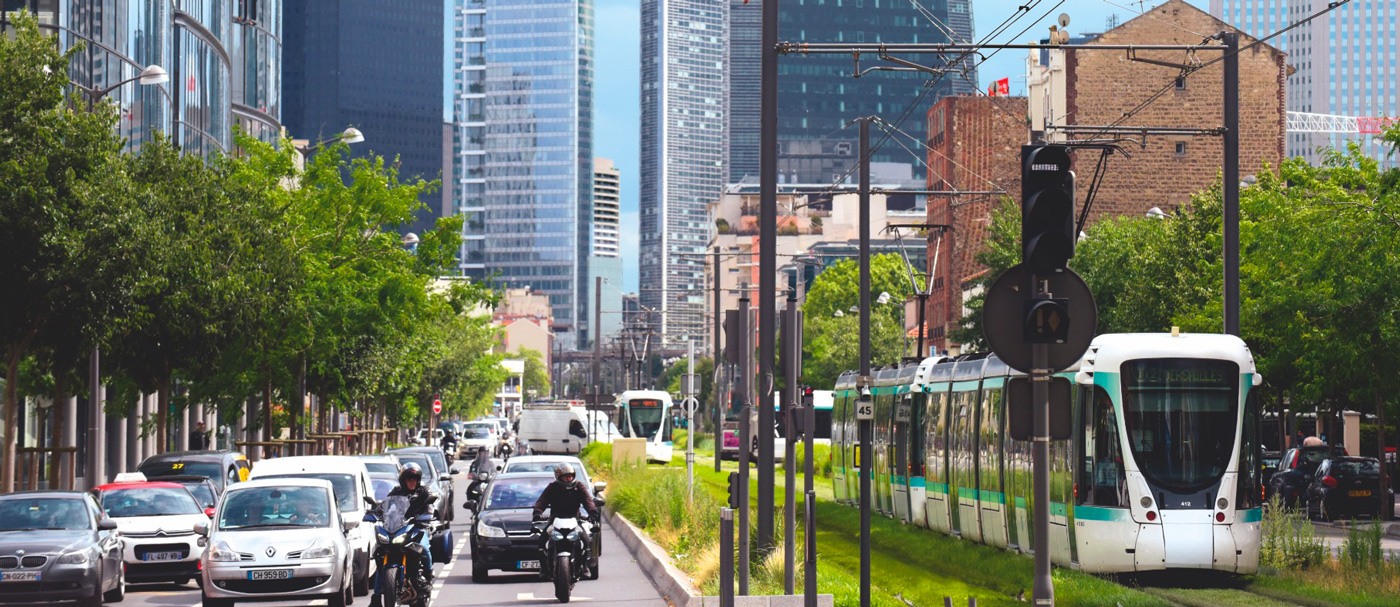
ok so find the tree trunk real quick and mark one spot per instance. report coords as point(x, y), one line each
point(162, 415)
point(267, 412)
point(10, 464)
point(1387, 508)
point(60, 408)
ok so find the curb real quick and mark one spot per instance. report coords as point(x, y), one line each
point(1391, 529)
point(677, 587)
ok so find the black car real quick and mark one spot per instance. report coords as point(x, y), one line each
point(501, 537)
point(222, 467)
point(1295, 473)
point(1268, 465)
point(58, 546)
point(1347, 486)
point(438, 473)
point(204, 490)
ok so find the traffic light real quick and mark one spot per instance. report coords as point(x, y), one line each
point(1047, 208)
point(735, 494)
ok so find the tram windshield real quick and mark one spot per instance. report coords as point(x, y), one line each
point(1180, 415)
point(645, 416)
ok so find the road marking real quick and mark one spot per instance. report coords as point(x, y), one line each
point(530, 596)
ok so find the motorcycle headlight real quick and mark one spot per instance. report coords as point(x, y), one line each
point(381, 536)
point(400, 539)
point(222, 553)
point(319, 550)
point(481, 476)
point(556, 536)
point(485, 530)
point(573, 535)
point(75, 558)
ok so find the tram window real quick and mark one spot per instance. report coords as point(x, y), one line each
point(1102, 478)
point(1247, 494)
point(919, 402)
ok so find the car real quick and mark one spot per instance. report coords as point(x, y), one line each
point(476, 436)
point(502, 424)
point(501, 537)
point(156, 520)
point(383, 483)
point(554, 428)
point(1295, 473)
point(222, 467)
point(279, 539)
point(203, 489)
point(354, 495)
point(381, 463)
point(441, 473)
point(546, 463)
point(1268, 465)
point(423, 435)
point(58, 546)
point(1348, 486)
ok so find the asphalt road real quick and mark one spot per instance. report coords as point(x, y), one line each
point(621, 582)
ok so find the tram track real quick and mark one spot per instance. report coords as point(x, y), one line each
point(1210, 589)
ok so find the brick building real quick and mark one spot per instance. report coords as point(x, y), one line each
point(975, 142)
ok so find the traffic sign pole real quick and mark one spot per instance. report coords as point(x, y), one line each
point(1043, 590)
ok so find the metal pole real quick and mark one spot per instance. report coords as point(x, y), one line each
point(689, 423)
point(719, 361)
point(866, 428)
point(794, 351)
point(767, 265)
point(809, 575)
point(1232, 183)
point(96, 473)
point(726, 557)
point(744, 426)
point(597, 357)
point(1043, 590)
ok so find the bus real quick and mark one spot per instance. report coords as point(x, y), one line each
point(647, 414)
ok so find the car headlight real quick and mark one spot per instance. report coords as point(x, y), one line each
point(320, 550)
point(485, 530)
point(573, 535)
point(381, 536)
point(222, 553)
point(75, 558)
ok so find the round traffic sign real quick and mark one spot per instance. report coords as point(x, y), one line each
point(1004, 318)
point(437, 405)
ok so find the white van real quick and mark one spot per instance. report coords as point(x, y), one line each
point(354, 494)
point(554, 428)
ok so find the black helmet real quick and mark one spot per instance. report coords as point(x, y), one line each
point(562, 470)
point(411, 470)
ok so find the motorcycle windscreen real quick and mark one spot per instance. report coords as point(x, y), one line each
point(395, 509)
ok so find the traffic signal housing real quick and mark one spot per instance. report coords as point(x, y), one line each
point(735, 492)
point(1047, 208)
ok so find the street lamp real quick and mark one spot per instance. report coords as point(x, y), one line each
point(349, 135)
point(152, 74)
point(1156, 213)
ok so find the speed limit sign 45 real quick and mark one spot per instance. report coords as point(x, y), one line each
point(865, 410)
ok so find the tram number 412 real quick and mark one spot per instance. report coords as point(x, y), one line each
point(865, 411)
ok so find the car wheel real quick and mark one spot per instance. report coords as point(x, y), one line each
point(337, 599)
point(479, 574)
point(360, 581)
point(118, 593)
point(208, 602)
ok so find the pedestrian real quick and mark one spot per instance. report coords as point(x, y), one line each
point(199, 438)
point(1298, 440)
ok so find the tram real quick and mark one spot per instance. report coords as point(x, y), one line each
point(1151, 479)
point(647, 414)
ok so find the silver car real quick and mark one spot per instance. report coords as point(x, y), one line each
point(58, 546)
point(277, 539)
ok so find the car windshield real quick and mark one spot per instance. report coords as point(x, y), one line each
point(149, 501)
point(1310, 459)
point(201, 492)
point(439, 462)
point(275, 507)
point(1356, 467)
point(388, 467)
point(344, 485)
point(476, 432)
point(209, 470)
point(382, 487)
point(44, 513)
point(513, 466)
point(516, 493)
point(1180, 415)
point(421, 460)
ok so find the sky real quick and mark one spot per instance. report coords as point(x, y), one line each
point(617, 69)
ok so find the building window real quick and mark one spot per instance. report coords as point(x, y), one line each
point(1180, 83)
point(1181, 148)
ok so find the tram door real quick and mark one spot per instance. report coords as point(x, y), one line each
point(963, 472)
point(880, 477)
point(990, 497)
point(900, 479)
point(1017, 483)
point(936, 470)
point(838, 443)
point(917, 433)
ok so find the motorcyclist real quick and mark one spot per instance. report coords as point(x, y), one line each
point(419, 502)
point(482, 463)
point(563, 498)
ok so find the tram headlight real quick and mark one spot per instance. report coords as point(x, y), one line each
point(1222, 503)
point(1146, 502)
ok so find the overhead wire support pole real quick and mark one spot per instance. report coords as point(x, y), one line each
point(866, 426)
point(718, 414)
point(1232, 184)
point(767, 266)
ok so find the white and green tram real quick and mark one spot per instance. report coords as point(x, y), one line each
point(1163, 425)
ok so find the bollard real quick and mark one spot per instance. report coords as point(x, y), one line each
point(726, 557)
point(809, 582)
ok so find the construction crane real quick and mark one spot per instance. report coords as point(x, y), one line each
point(1302, 122)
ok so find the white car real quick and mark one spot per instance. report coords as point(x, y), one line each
point(156, 521)
point(278, 539)
point(354, 495)
point(477, 436)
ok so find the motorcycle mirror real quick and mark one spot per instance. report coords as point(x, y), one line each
point(469, 504)
point(455, 470)
point(369, 500)
point(371, 517)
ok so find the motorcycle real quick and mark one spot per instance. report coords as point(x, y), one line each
point(564, 558)
point(399, 555)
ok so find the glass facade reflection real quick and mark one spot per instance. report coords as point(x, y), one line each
point(193, 40)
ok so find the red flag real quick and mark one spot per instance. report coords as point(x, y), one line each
point(1004, 87)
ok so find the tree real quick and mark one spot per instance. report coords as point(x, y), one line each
point(831, 331)
point(536, 379)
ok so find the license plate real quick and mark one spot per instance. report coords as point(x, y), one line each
point(28, 576)
point(1366, 493)
point(270, 574)
point(163, 556)
point(529, 565)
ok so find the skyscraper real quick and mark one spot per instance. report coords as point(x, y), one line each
point(521, 120)
point(684, 44)
point(607, 254)
point(1344, 63)
point(355, 63)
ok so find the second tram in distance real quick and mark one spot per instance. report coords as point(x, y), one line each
point(1160, 472)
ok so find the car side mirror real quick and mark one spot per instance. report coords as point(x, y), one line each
point(106, 524)
point(446, 478)
point(469, 505)
point(201, 529)
point(349, 525)
point(599, 486)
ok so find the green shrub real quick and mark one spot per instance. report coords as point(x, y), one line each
point(597, 457)
point(655, 499)
point(1362, 547)
point(1289, 540)
point(821, 460)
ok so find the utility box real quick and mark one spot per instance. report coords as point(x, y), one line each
point(629, 452)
